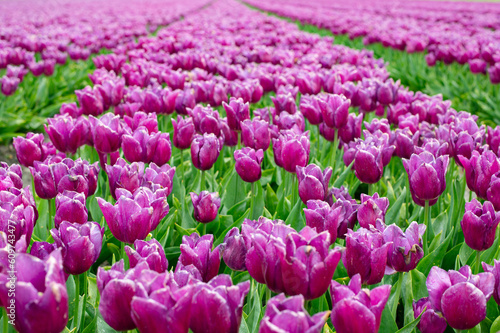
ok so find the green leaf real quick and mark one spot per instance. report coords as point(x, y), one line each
point(93, 292)
point(271, 201)
point(343, 176)
point(237, 224)
point(392, 215)
point(255, 306)
point(435, 257)
point(411, 326)
point(258, 203)
point(294, 219)
point(387, 323)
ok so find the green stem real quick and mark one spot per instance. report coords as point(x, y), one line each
point(335, 148)
point(5, 321)
point(318, 136)
point(202, 184)
point(181, 165)
point(52, 212)
point(426, 222)
point(478, 262)
point(370, 189)
point(85, 292)
point(295, 189)
point(397, 294)
point(268, 294)
point(76, 311)
point(252, 195)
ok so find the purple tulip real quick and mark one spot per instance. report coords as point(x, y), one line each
point(349, 211)
point(230, 136)
point(217, 306)
point(159, 178)
point(106, 133)
point(427, 175)
point(234, 250)
point(284, 102)
point(9, 85)
point(81, 245)
point(197, 251)
point(124, 175)
point(10, 176)
point(355, 309)
point(405, 143)
point(479, 170)
point(17, 216)
point(366, 254)
point(205, 150)
point(31, 149)
point(291, 150)
point(206, 120)
point(479, 224)
point(236, 112)
point(206, 206)
point(149, 121)
point(287, 121)
point(495, 270)
point(311, 110)
point(371, 209)
point(434, 147)
point(493, 193)
point(248, 164)
point(352, 130)
point(143, 147)
point(255, 134)
point(135, 215)
point(493, 139)
point(289, 315)
point(41, 299)
point(322, 217)
point(70, 207)
point(431, 320)
point(376, 124)
point(90, 101)
point(42, 250)
point(313, 183)
point(466, 136)
point(477, 66)
point(68, 134)
point(406, 249)
point(460, 295)
point(150, 252)
point(335, 110)
point(70, 109)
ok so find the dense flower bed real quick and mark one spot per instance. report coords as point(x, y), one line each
point(234, 173)
point(465, 33)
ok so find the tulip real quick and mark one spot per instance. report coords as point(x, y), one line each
point(149, 121)
point(261, 114)
point(493, 193)
point(255, 134)
point(287, 121)
point(289, 315)
point(366, 254)
point(70, 207)
point(106, 133)
point(352, 130)
point(431, 320)
point(372, 209)
point(167, 307)
point(10, 176)
point(206, 120)
point(427, 175)
point(124, 175)
point(495, 270)
point(406, 249)
point(466, 136)
point(236, 112)
point(9, 85)
point(150, 252)
point(234, 250)
point(230, 136)
point(17, 216)
point(248, 164)
point(31, 149)
point(90, 101)
point(349, 211)
point(135, 215)
point(197, 251)
point(322, 217)
point(493, 139)
point(284, 102)
point(157, 178)
point(206, 205)
point(460, 295)
point(479, 224)
point(406, 143)
point(217, 306)
point(335, 110)
point(434, 147)
point(41, 299)
point(479, 170)
point(42, 250)
point(143, 147)
point(81, 245)
point(68, 134)
point(376, 124)
point(291, 150)
point(308, 264)
point(309, 107)
point(313, 183)
point(205, 150)
point(355, 309)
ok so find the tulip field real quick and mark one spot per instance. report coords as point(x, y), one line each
point(254, 167)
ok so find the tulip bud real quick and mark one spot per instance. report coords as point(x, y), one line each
point(406, 249)
point(322, 217)
point(493, 139)
point(479, 224)
point(143, 147)
point(9, 85)
point(206, 205)
point(205, 150)
point(31, 149)
point(234, 250)
point(287, 314)
point(70, 207)
point(284, 102)
point(206, 120)
point(460, 295)
point(352, 130)
point(495, 270)
point(142, 119)
point(291, 150)
point(68, 134)
point(431, 320)
point(248, 164)
point(311, 110)
point(197, 251)
point(150, 252)
point(236, 111)
point(230, 136)
point(81, 245)
point(355, 309)
point(106, 133)
point(124, 175)
point(255, 134)
point(335, 110)
point(90, 101)
point(479, 170)
point(372, 209)
point(493, 193)
point(313, 183)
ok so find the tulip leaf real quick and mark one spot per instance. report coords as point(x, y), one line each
point(40, 229)
point(343, 176)
point(101, 326)
point(465, 253)
point(271, 199)
point(93, 293)
point(267, 176)
point(435, 257)
point(234, 191)
point(236, 224)
point(71, 290)
point(258, 203)
point(387, 323)
point(255, 306)
point(392, 215)
point(243, 326)
point(488, 255)
point(295, 219)
point(238, 209)
point(411, 326)
point(94, 210)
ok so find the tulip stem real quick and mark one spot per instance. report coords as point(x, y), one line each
point(426, 222)
point(370, 189)
point(85, 292)
point(181, 165)
point(5, 320)
point(52, 209)
point(202, 183)
point(295, 190)
point(77, 301)
point(252, 195)
point(399, 283)
point(478, 262)
point(335, 147)
point(204, 229)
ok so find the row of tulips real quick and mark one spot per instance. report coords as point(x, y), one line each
point(465, 34)
point(213, 253)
